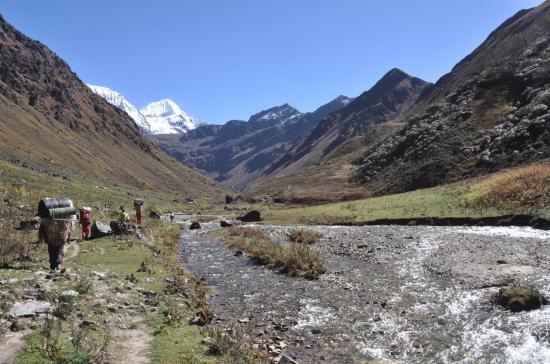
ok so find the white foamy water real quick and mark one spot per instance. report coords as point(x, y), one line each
point(510, 231)
point(313, 315)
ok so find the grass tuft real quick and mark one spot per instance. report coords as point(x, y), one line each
point(302, 236)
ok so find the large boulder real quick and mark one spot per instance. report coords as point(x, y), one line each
point(519, 298)
point(195, 225)
point(100, 230)
point(30, 308)
point(251, 216)
point(228, 199)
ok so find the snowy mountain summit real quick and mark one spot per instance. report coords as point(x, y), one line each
point(116, 99)
point(160, 117)
point(166, 117)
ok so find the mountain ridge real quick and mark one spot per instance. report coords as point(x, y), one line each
point(237, 152)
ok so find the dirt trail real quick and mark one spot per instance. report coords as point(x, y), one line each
point(136, 345)
point(11, 345)
point(391, 293)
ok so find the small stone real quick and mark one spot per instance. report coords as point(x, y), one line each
point(244, 320)
point(69, 294)
point(502, 261)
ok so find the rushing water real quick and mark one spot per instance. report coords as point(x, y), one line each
point(399, 294)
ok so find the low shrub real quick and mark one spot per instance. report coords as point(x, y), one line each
point(308, 237)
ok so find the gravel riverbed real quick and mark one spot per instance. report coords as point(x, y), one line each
point(391, 294)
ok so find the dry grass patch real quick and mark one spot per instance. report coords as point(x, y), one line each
point(292, 259)
point(302, 236)
point(526, 189)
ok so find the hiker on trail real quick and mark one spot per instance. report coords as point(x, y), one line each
point(56, 218)
point(123, 216)
point(85, 218)
point(172, 217)
point(56, 235)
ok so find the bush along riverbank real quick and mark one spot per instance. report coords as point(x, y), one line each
point(294, 259)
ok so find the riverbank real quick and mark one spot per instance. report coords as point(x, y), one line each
point(400, 293)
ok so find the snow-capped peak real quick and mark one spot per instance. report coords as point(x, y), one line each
point(166, 117)
point(118, 100)
point(165, 107)
point(159, 117)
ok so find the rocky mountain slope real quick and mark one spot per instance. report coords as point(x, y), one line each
point(393, 95)
point(239, 151)
point(51, 120)
point(490, 112)
point(160, 117)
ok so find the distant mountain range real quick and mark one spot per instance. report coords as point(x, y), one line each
point(492, 111)
point(160, 117)
point(240, 151)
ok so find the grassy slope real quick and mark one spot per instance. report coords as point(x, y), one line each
point(24, 187)
point(520, 190)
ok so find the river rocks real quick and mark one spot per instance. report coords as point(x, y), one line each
point(100, 230)
point(519, 298)
point(225, 224)
point(251, 216)
point(29, 308)
point(195, 225)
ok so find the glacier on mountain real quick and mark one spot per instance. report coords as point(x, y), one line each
point(159, 117)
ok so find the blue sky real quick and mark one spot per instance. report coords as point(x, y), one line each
point(227, 59)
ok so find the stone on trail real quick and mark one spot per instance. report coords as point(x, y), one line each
point(519, 298)
point(29, 308)
point(251, 216)
point(195, 226)
point(68, 295)
point(100, 230)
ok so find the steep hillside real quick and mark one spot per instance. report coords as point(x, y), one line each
point(239, 151)
point(492, 111)
point(388, 99)
point(51, 120)
point(328, 180)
